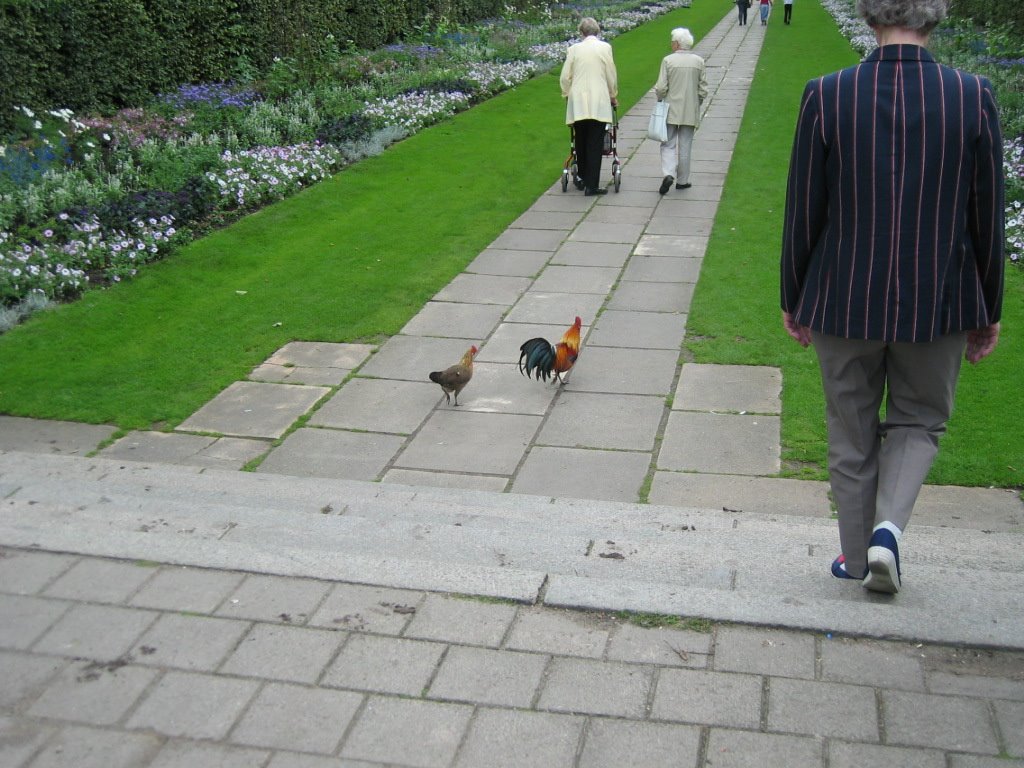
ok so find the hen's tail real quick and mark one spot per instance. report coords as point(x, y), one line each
point(537, 358)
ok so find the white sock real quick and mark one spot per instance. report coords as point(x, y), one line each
point(889, 527)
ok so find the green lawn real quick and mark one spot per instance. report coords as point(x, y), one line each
point(735, 312)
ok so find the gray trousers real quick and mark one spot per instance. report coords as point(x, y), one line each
point(876, 467)
point(676, 152)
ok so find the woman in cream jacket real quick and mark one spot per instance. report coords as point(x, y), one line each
point(590, 86)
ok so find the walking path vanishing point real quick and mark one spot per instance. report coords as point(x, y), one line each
point(311, 627)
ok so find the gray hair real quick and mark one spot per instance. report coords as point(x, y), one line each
point(683, 38)
point(589, 26)
point(920, 15)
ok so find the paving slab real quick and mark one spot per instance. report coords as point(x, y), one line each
point(86, 747)
point(613, 743)
point(412, 358)
point(499, 261)
point(606, 232)
point(504, 344)
point(193, 705)
point(638, 330)
point(483, 443)
point(740, 749)
point(554, 308)
point(99, 581)
point(28, 619)
point(379, 405)
point(272, 598)
point(662, 269)
point(672, 224)
point(316, 354)
point(453, 319)
point(501, 738)
point(487, 676)
point(194, 450)
point(556, 200)
point(430, 733)
point(78, 634)
point(87, 692)
point(737, 388)
point(590, 420)
point(25, 677)
point(281, 652)
point(501, 388)
point(178, 753)
point(560, 220)
point(254, 409)
point(292, 374)
point(316, 452)
point(720, 443)
point(692, 246)
point(574, 279)
point(652, 297)
point(530, 239)
point(625, 370)
point(295, 717)
point(582, 473)
point(27, 573)
point(460, 620)
point(700, 696)
point(596, 687)
point(39, 436)
point(618, 215)
point(593, 254)
point(180, 641)
point(484, 289)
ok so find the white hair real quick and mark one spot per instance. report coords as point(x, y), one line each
point(683, 38)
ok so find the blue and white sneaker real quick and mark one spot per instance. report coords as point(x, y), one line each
point(839, 571)
point(883, 563)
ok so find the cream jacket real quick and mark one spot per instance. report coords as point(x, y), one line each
point(589, 81)
point(682, 82)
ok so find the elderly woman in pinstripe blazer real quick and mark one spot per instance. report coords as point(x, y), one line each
point(892, 266)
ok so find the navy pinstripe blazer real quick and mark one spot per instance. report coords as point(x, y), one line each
point(894, 222)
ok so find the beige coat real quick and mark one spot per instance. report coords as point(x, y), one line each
point(589, 81)
point(683, 84)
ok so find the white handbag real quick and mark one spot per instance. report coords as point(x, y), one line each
point(657, 128)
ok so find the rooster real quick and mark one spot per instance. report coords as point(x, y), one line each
point(455, 378)
point(539, 359)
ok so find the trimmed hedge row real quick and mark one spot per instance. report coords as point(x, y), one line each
point(100, 55)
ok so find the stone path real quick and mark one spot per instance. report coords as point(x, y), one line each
point(160, 608)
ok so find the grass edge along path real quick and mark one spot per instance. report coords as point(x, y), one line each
point(734, 317)
point(350, 259)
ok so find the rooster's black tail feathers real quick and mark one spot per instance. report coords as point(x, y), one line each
point(536, 359)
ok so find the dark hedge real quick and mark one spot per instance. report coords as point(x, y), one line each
point(100, 55)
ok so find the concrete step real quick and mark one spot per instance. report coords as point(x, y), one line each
point(962, 586)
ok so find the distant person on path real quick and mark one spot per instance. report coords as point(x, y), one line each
point(591, 87)
point(741, 7)
point(787, 7)
point(892, 266)
point(766, 11)
point(683, 84)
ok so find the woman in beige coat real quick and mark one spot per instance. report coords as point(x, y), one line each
point(683, 83)
point(590, 85)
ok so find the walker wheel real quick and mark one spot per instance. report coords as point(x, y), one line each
point(565, 181)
